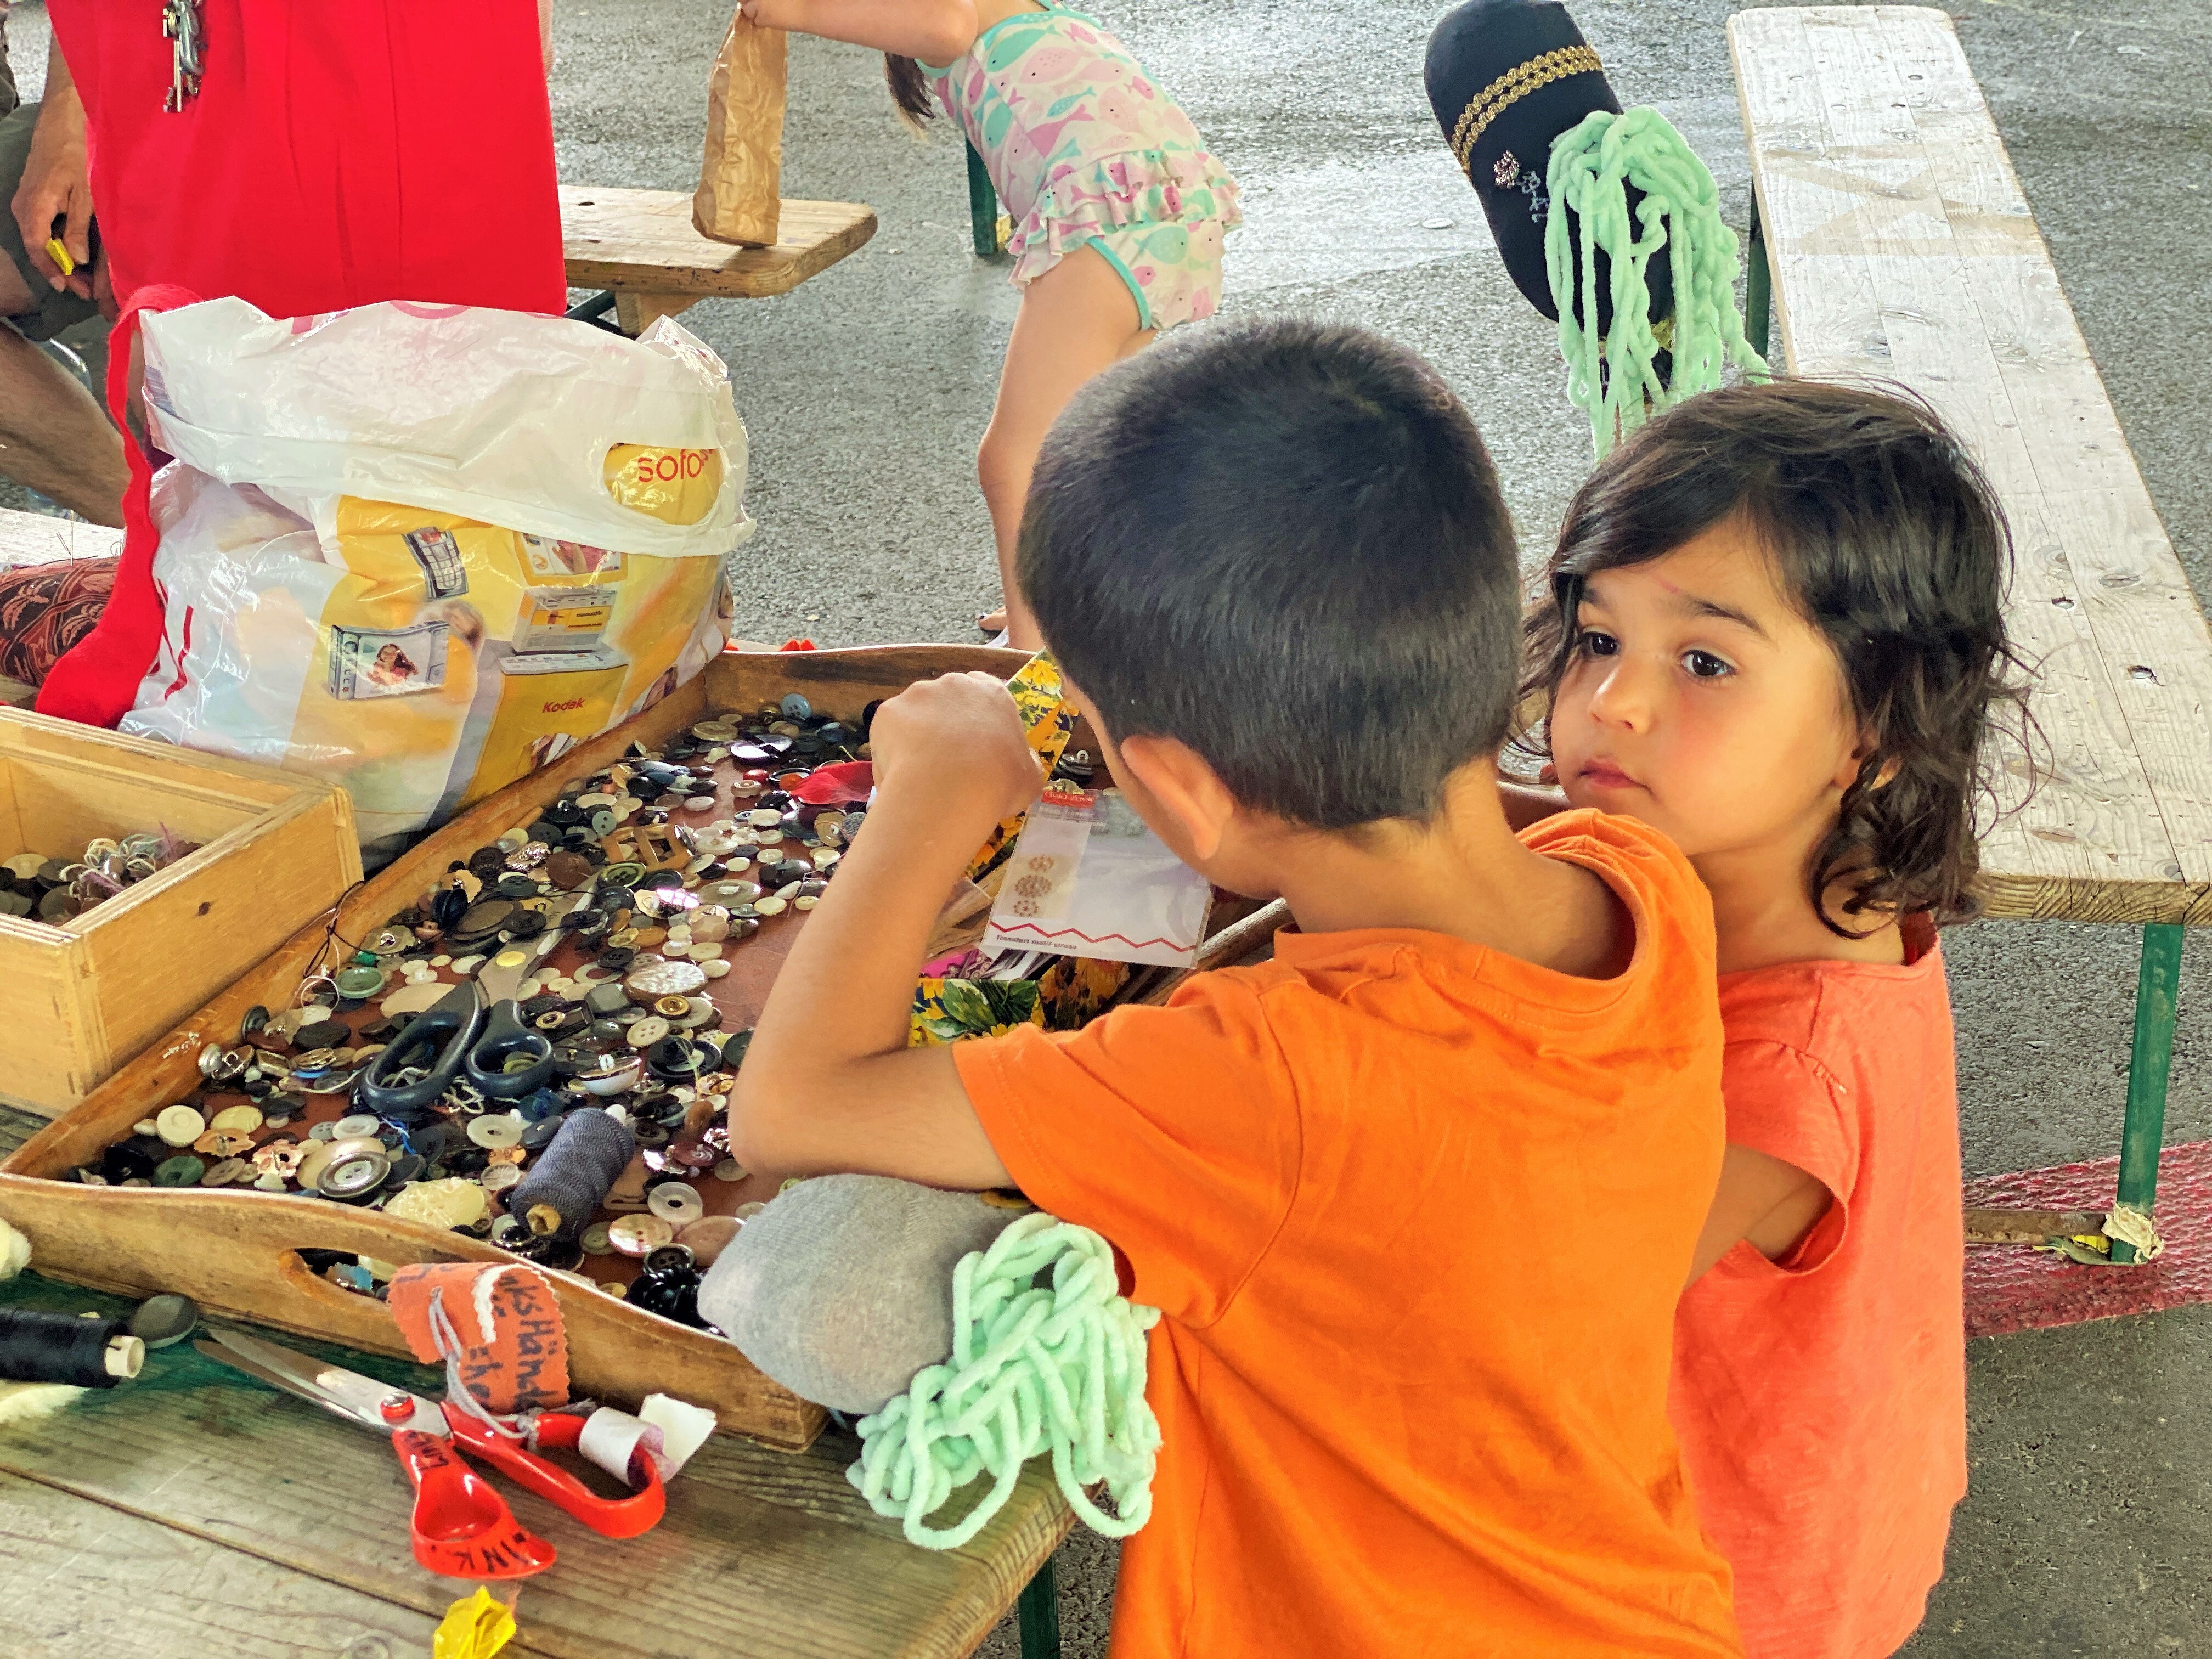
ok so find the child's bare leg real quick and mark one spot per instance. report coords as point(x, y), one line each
point(1076, 320)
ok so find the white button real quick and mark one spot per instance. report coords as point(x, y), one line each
point(495, 1129)
point(178, 1124)
point(674, 1203)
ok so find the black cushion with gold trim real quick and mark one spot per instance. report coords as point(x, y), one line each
point(1507, 77)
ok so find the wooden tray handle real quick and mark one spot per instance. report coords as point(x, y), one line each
point(238, 1254)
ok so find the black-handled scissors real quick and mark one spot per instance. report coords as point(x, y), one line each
point(475, 1032)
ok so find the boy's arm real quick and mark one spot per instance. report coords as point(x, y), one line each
point(1762, 1200)
point(932, 31)
point(828, 1084)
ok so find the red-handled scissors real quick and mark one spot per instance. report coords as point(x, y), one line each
point(461, 1526)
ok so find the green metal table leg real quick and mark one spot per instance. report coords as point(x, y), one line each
point(1759, 286)
point(982, 207)
point(1039, 1612)
point(2144, 1136)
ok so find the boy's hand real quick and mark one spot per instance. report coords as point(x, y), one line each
point(955, 746)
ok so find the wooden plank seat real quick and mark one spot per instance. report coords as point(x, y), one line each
point(1899, 247)
point(38, 539)
point(638, 247)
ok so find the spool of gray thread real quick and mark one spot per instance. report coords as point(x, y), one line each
point(574, 1173)
point(842, 1289)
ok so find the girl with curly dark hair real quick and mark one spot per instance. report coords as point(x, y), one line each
point(1774, 630)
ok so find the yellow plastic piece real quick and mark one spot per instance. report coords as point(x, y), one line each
point(475, 1628)
point(60, 256)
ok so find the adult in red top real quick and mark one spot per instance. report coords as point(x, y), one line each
point(334, 156)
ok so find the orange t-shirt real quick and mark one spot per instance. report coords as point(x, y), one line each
point(1417, 1213)
point(1822, 1399)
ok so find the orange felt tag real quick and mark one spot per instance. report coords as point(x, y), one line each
point(512, 1352)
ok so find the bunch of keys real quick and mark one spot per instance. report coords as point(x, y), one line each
point(180, 26)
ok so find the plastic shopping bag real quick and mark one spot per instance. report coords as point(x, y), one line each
point(419, 550)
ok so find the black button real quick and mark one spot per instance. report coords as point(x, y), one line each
point(124, 1161)
point(322, 1034)
point(439, 1142)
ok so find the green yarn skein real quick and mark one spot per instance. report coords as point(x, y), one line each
point(1033, 1369)
point(1614, 380)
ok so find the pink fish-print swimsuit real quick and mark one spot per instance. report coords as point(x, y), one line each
point(1085, 148)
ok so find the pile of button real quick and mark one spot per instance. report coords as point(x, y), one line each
point(54, 890)
point(649, 889)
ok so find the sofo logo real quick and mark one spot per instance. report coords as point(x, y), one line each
point(670, 465)
point(676, 486)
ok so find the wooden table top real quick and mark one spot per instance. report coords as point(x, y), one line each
point(195, 1511)
point(1902, 249)
point(642, 240)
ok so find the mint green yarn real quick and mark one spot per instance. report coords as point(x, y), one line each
point(1614, 380)
point(1033, 1369)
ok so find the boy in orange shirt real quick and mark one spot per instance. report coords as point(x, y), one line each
point(1417, 1198)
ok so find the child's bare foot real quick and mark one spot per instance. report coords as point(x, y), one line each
point(992, 622)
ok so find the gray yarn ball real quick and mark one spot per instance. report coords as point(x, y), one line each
point(842, 1289)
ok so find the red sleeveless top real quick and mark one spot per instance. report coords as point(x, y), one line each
point(335, 155)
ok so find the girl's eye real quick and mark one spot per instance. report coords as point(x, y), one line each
point(1595, 644)
point(1703, 666)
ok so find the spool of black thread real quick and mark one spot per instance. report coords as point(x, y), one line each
point(37, 1346)
point(573, 1176)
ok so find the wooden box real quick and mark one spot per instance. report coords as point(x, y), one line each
point(236, 1251)
point(81, 997)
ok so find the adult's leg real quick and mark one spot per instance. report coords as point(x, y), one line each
point(53, 437)
point(1076, 320)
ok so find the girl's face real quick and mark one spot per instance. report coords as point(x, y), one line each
point(1700, 702)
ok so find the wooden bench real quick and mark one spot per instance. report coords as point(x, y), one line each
point(1899, 245)
point(638, 248)
point(38, 538)
point(195, 1512)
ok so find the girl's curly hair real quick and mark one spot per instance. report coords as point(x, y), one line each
point(1886, 536)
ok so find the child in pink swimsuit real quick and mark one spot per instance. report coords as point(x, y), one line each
point(1118, 209)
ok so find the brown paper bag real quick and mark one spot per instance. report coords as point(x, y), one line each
point(739, 187)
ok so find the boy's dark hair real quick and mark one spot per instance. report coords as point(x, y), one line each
point(1887, 537)
point(1281, 543)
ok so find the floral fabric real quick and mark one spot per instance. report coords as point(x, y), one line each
point(1085, 148)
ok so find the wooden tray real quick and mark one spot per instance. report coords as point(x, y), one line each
point(238, 1251)
point(79, 996)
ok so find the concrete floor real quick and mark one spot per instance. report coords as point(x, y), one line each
point(2090, 1527)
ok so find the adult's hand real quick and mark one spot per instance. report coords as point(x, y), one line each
point(57, 182)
